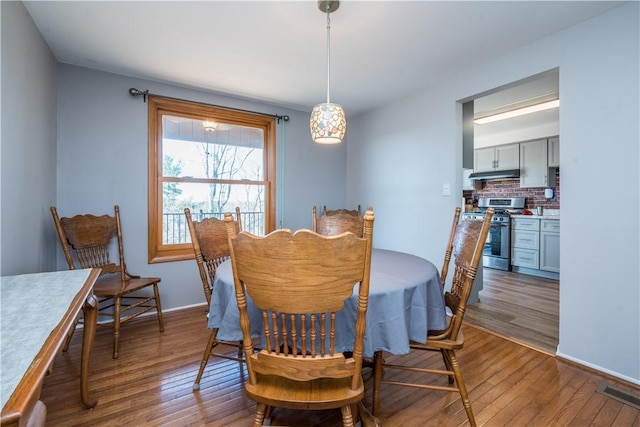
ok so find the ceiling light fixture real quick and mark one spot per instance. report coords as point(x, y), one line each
point(328, 122)
point(518, 112)
point(209, 125)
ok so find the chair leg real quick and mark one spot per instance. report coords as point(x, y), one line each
point(365, 417)
point(205, 357)
point(267, 416)
point(378, 373)
point(258, 419)
point(116, 326)
point(158, 306)
point(347, 416)
point(451, 355)
point(447, 364)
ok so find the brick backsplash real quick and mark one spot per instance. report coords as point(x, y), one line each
point(511, 188)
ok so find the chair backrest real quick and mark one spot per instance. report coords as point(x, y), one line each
point(447, 254)
point(299, 281)
point(90, 239)
point(334, 222)
point(468, 242)
point(210, 246)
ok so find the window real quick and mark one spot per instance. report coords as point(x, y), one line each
point(210, 160)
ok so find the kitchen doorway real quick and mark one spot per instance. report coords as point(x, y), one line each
point(520, 307)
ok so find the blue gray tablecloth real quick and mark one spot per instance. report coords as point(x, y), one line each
point(405, 300)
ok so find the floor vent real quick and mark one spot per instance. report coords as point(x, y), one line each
point(619, 395)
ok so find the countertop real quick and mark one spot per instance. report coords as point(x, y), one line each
point(534, 216)
point(548, 214)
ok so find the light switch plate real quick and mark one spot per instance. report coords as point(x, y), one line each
point(446, 189)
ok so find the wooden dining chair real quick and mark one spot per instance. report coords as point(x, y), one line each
point(211, 248)
point(334, 222)
point(466, 242)
point(300, 282)
point(87, 240)
point(447, 254)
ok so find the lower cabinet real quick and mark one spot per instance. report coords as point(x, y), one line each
point(535, 246)
point(525, 247)
point(550, 245)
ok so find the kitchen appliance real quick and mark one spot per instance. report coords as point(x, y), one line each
point(497, 249)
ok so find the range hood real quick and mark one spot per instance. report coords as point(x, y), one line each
point(483, 176)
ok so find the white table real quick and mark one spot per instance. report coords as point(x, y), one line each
point(37, 311)
point(405, 300)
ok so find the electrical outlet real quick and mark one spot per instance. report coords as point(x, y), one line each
point(446, 189)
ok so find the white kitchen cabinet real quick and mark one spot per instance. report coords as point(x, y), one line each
point(526, 239)
point(534, 171)
point(525, 243)
point(468, 184)
point(554, 152)
point(500, 157)
point(550, 245)
point(535, 246)
point(525, 258)
point(526, 224)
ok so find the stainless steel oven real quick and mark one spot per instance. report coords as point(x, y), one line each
point(496, 252)
point(497, 249)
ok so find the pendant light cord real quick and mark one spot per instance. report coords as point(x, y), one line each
point(328, 51)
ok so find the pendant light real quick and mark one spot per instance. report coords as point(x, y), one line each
point(328, 122)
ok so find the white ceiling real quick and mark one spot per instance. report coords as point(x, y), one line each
point(275, 51)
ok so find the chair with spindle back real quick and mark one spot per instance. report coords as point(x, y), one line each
point(334, 222)
point(87, 239)
point(211, 248)
point(447, 255)
point(300, 282)
point(465, 246)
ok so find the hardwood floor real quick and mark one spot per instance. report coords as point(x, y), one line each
point(150, 384)
point(520, 307)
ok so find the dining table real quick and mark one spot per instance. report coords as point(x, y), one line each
point(37, 311)
point(405, 300)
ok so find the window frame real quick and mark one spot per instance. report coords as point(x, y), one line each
point(160, 106)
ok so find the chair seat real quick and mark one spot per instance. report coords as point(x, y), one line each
point(109, 286)
point(446, 344)
point(323, 393)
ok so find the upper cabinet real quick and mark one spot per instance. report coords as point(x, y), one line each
point(468, 184)
point(501, 157)
point(554, 152)
point(534, 171)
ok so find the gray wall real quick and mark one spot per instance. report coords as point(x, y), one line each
point(28, 148)
point(400, 169)
point(74, 138)
point(102, 160)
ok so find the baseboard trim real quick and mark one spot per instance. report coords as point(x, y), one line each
point(615, 376)
point(508, 338)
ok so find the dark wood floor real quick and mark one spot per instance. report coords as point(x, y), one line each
point(521, 307)
point(150, 385)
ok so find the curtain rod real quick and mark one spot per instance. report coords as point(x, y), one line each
point(136, 92)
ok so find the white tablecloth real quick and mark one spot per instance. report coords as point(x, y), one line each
point(405, 300)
